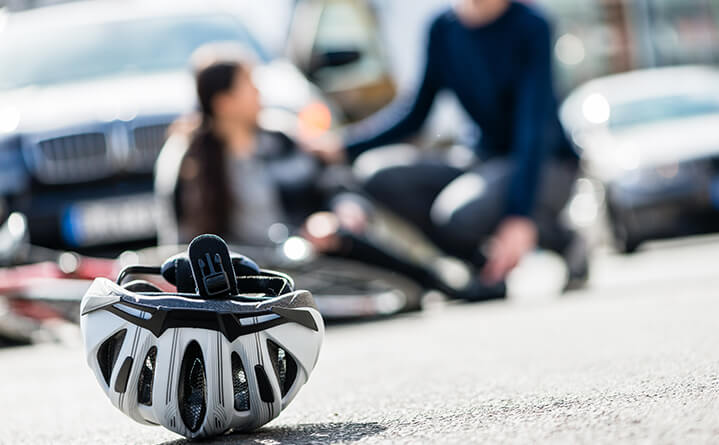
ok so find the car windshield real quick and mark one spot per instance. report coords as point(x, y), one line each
point(661, 109)
point(68, 54)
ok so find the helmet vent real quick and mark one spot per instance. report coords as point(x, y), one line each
point(239, 384)
point(263, 384)
point(284, 365)
point(193, 388)
point(147, 376)
point(107, 354)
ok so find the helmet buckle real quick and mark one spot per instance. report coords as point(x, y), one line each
point(214, 277)
point(212, 268)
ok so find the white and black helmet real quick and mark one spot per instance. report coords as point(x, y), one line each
point(229, 350)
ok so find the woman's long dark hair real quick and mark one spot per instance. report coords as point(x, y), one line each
point(209, 210)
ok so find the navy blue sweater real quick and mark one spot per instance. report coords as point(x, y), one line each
point(501, 74)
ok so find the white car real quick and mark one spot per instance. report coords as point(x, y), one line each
point(651, 138)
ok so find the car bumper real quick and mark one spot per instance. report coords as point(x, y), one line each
point(664, 204)
point(116, 214)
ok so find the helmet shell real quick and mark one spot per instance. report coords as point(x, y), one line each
point(199, 381)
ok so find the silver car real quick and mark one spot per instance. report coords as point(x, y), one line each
point(651, 140)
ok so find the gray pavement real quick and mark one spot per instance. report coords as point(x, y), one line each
point(633, 359)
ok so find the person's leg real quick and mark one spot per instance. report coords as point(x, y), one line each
point(469, 209)
point(554, 234)
point(555, 190)
point(360, 248)
point(406, 183)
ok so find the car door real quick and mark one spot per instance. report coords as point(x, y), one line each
point(336, 44)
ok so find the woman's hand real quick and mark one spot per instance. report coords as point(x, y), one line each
point(327, 147)
point(514, 237)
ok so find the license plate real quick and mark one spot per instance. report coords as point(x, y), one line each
point(109, 220)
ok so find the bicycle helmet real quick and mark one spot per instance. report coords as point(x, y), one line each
point(229, 349)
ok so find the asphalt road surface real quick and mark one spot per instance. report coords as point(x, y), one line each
point(632, 359)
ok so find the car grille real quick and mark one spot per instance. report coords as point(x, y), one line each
point(73, 158)
point(95, 155)
point(148, 142)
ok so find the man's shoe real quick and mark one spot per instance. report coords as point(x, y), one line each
point(477, 292)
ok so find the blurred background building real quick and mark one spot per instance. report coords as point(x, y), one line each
point(596, 37)
point(593, 37)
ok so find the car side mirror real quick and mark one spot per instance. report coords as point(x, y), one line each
point(333, 59)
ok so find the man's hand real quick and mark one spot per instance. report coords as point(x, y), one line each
point(514, 237)
point(327, 147)
point(321, 229)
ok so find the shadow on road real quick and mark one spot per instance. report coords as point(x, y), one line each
point(308, 433)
